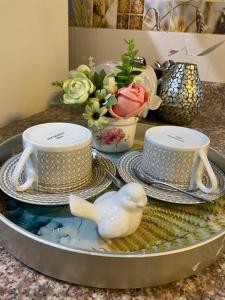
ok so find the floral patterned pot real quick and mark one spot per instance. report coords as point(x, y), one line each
point(117, 136)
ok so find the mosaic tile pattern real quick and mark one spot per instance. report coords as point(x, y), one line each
point(194, 16)
point(123, 6)
point(122, 21)
point(182, 94)
point(135, 22)
point(130, 14)
point(137, 6)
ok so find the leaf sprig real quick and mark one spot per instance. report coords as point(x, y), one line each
point(126, 74)
point(97, 79)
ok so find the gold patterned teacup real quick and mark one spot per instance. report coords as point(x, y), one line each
point(57, 157)
point(178, 155)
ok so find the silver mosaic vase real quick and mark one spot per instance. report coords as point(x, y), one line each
point(182, 93)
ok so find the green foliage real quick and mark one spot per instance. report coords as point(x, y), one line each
point(97, 79)
point(126, 75)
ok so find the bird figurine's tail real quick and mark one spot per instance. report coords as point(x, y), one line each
point(82, 208)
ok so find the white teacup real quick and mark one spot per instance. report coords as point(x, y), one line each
point(178, 155)
point(57, 157)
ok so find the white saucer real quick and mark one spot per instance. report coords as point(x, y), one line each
point(132, 160)
point(96, 185)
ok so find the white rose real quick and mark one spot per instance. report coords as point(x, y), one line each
point(84, 69)
point(109, 84)
point(77, 90)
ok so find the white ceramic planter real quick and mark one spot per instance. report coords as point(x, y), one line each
point(117, 136)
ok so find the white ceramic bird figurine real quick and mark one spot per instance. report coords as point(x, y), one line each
point(117, 214)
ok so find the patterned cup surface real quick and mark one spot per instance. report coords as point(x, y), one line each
point(57, 157)
point(64, 171)
point(171, 154)
point(168, 165)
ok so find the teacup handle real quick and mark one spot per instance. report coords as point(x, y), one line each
point(31, 176)
point(198, 177)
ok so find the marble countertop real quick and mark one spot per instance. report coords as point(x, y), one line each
point(20, 282)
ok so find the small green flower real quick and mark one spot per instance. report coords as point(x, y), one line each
point(94, 114)
point(100, 94)
point(93, 99)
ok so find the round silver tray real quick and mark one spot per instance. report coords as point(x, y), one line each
point(108, 269)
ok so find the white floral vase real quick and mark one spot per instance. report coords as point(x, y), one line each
point(117, 136)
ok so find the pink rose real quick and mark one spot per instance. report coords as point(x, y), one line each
point(112, 136)
point(131, 101)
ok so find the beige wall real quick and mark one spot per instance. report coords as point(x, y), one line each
point(33, 53)
point(108, 44)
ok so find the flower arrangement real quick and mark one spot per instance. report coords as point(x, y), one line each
point(120, 95)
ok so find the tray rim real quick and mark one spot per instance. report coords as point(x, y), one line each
point(137, 254)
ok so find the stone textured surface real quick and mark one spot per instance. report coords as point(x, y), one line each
point(20, 282)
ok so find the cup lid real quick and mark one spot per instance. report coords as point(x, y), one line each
point(58, 135)
point(177, 137)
